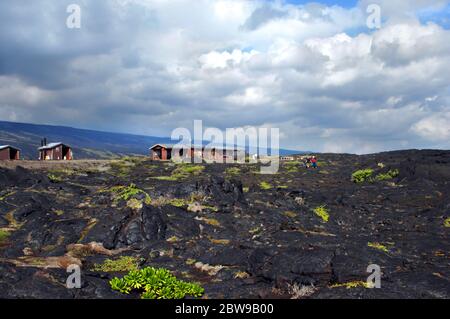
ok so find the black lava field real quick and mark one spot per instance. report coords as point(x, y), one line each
point(300, 233)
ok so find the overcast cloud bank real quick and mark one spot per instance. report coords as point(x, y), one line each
point(316, 72)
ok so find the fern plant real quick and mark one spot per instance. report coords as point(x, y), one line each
point(362, 175)
point(156, 284)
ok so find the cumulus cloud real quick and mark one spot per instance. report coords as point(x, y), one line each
point(315, 71)
point(435, 127)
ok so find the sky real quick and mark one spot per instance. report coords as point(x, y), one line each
point(317, 71)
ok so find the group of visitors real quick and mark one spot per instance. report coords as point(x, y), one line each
point(310, 161)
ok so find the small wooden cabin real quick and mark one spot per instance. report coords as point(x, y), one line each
point(9, 153)
point(55, 152)
point(161, 152)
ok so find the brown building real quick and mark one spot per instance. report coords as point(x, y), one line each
point(163, 152)
point(9, 153)
point(55, 152)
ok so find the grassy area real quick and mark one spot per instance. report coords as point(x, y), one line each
point(378, 246)
point(182, 171)
point(4, 235)
point(233, 171)
point(387, 176)
point(128, 192)
point(366, 175)
point(122, 264)
point(292, 166)
point(265, 185)
point(352, 284)
point(185, 202)
point(123, 167)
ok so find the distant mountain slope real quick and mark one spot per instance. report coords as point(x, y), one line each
point(85, 143)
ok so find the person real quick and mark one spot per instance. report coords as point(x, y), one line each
point(314, 162)
point(307, 162)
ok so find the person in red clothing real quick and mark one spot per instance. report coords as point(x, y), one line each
point(314, 162)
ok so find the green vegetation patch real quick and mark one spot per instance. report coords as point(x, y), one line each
point(362, 175)
point(182, 171)
point(3, 197)
point(290, 214)
point(393, 173)
point(54, 178)
point(379, 246)
point(322, 212)
point(447, 222)
point(122, 168)
point(366, 175)
point(265, 185)
point(57, 175)
point(195, 198)
point(122, 264)
point(156, 284)
point(4, 235)
point(185, 170)
point(233, 171)
point(292, 166)
point(352, 284)
point(127, 192)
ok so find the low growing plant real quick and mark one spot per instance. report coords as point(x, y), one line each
point(3, 235)
point(447, 222)
point(265, 185)
point(378, 246)
point(393, 173)
point(182, 171)
point(156, 284)
point(54, 178)
point(352, 284)
point(124, 263)
point(362, 175)
point(127, 192)
point(233, 171)
point(322, 212)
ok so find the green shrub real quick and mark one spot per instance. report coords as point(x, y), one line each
point(265, 185)
point(182, 171)
point(447, 222)
point(233, 171)
point(378, 246)
point(185, 170)
point(124, 263)
point(3, 235)
point(393, 173)
point(54, 178)
point(362, 175)
point(127, 192)
point(156, 284)
point(322, 212)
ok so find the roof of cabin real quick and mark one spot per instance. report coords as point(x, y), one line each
point(50, 146)
point(2, 147)
point(220, 147)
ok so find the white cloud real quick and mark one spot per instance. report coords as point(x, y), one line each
point(222, 60)
point(434, 128)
